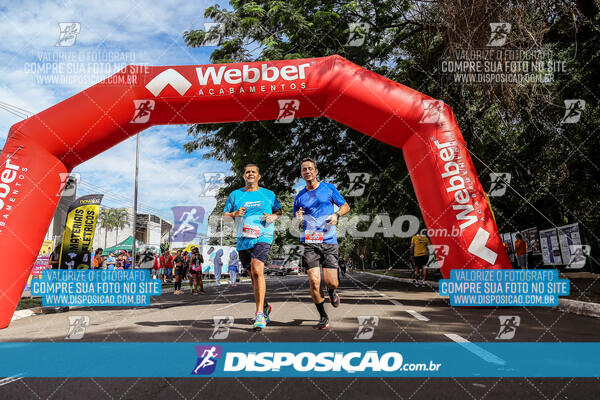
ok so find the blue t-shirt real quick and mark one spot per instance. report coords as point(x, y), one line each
point(218, 255)
point(251, 228)
point(317, 205)
point(233, 260)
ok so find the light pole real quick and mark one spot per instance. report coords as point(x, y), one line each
point(135, 196)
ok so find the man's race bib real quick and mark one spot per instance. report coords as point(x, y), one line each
point(313, 237)
point(250, 231)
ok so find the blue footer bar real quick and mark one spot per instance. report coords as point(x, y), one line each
point(300, 359)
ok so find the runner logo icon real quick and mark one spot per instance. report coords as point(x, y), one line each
point(214, 33)
point(499, 33)
point(187, 221)
point(77, 326)
point(287, 111)
point(222, 325)
point(68, 184)
point(431, 111)
point(499, 183)
point(508, 326)
point(207, 359)
point(213, 182)
point(437, 255)
point(573, 110)
point(579, 254)
point(366, 327)
point(143, 108)
point(357, 32)
point(358, 183)
point(68, 33)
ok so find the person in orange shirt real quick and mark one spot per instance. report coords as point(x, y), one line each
point(521, 251)
point(98, 259)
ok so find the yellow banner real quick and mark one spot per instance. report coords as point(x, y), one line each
point(79, 232)
point(46, 248)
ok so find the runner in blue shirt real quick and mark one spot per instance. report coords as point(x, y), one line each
point(314, 206)
point(254, 209)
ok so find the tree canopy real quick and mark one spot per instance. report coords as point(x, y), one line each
point(509, 127)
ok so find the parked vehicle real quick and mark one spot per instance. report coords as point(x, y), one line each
point(276, 267)
point(293, 269)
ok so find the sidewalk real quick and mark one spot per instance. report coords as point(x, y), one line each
point(584, 298)
point(29, 306)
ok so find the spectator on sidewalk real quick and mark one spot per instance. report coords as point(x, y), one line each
point(97, 262)
point(166, 265)
point(233, 267)
point(55, 257)
point(157, 270)
point(521, 251)
point(127, 260)
point(110, 261)
point(218, 266)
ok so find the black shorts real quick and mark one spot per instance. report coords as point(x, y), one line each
point(180, 271)
point(199, 272)
point(260, 251)
point(421, 261)
point(316, 255)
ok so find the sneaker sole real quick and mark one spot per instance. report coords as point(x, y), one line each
point(339, 301)
point(322, 329)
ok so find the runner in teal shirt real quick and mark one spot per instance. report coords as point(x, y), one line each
point(252, 227)
point(254, 209)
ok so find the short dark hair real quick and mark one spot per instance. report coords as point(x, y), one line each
point(309, 159)
point(252, 165)
point(519, 236)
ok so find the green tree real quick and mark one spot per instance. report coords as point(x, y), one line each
point(105, 220)
point(508, 127)
point(120, 219)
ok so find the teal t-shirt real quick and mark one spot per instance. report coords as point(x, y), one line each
point(251, 228)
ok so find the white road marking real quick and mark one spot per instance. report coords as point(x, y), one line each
point(231, 305)
point(394, 301)
point(417, 315)
point(22, 314)
point(10, 379)
point(473, 348)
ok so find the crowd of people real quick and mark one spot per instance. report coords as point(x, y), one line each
point(175, 268)
point(121, 260)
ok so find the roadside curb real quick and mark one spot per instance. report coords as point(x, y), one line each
point(395, 278)
point(564, 305)
point(212, 284)
point(20, 314)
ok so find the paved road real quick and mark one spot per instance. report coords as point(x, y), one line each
point(405, 314)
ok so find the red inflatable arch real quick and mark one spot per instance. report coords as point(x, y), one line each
point(75, 130)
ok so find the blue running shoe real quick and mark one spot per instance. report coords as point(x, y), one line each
point(259, 321)
point(267, 311)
